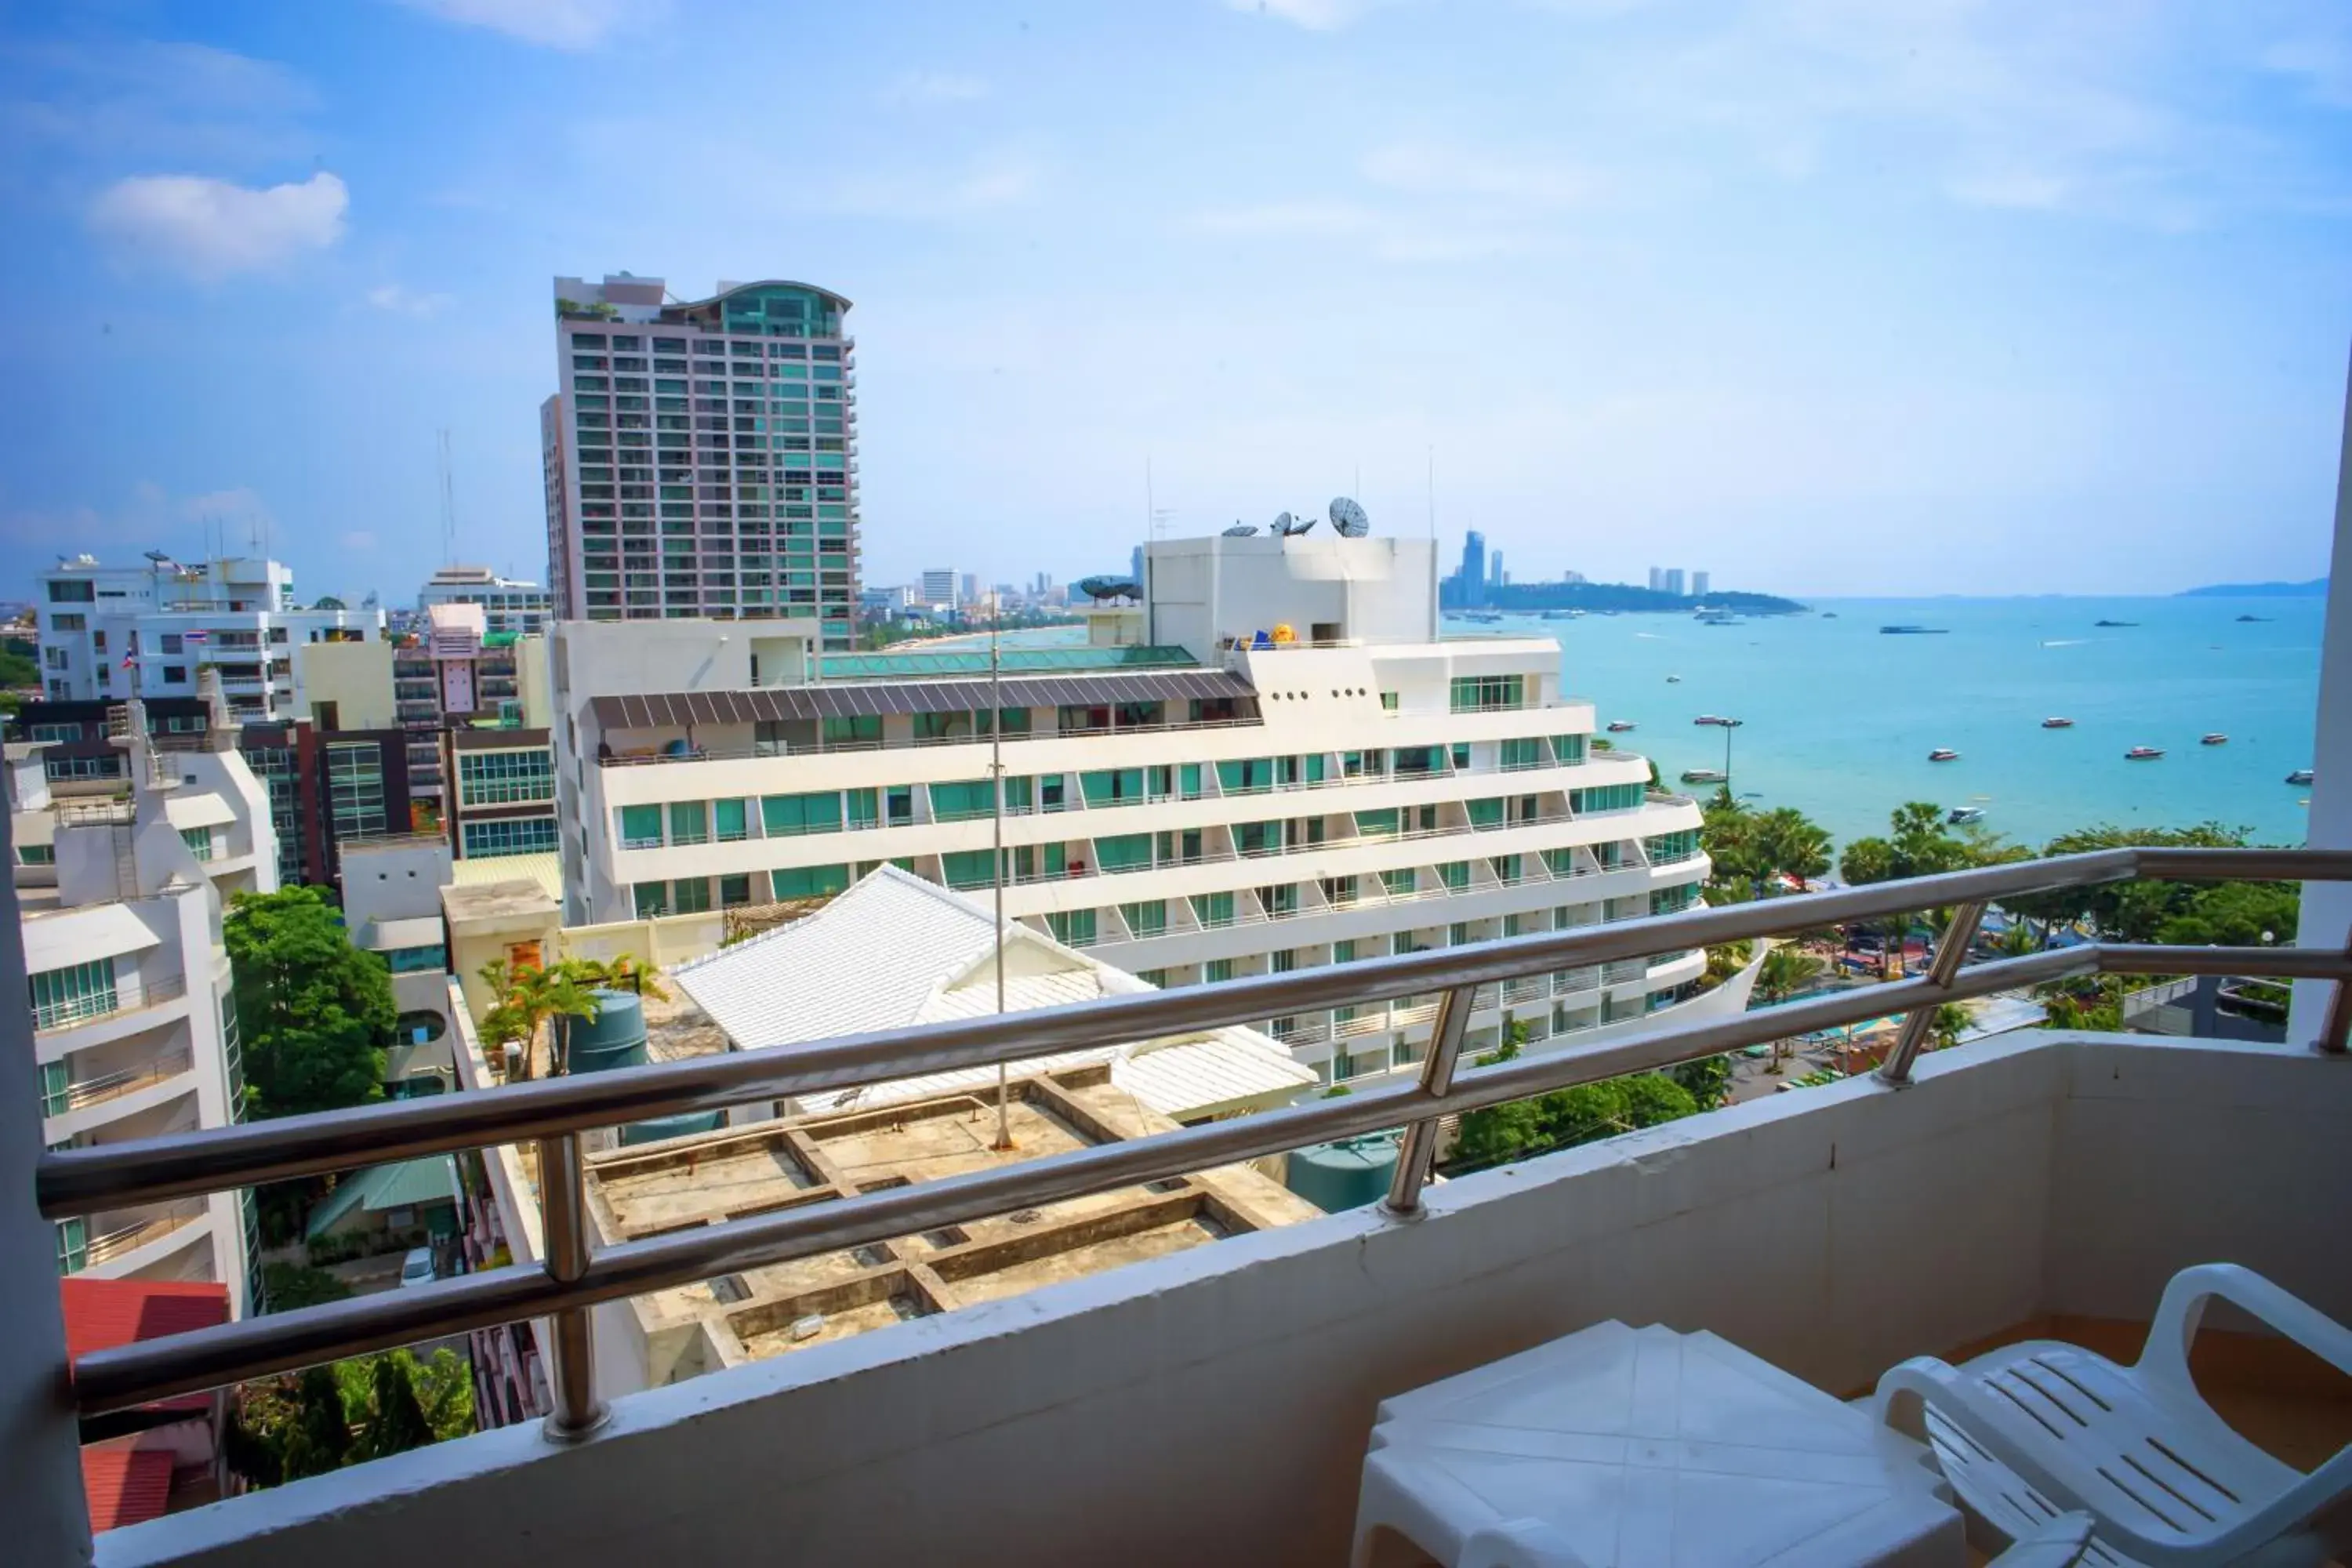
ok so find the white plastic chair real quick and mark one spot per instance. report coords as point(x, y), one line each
point(2032, 1430)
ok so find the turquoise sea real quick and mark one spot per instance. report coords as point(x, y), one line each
point(1839, 719)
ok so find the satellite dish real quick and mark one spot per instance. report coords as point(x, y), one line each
point(1281, 522)
point(1348, 519)
point(1290, 527)
point(1241, 530)
point(1108, 587)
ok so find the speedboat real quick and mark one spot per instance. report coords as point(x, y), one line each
point(1961, 815)
point(1673, 681)
point(2215, 739)
point(1703, 776)
point(2055, 723)
point(1710, 719)
point(1620, 726)
point(2143, 753)
point(1943, 754)
point(2115, 623)
point(2300, 777)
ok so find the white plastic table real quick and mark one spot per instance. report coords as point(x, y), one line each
point(1621, 1447)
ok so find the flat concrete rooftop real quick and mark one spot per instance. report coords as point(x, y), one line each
point(684, 1183)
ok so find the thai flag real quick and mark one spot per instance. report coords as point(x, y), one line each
point(199, 635)
point(131, 654)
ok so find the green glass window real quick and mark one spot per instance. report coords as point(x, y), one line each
point(968, 869)
point(728, 822)
point(1488, 693)
point(1213, 909)
point(1380, 824)
point(1072, 928)
point(652, 900)
point(1257, 837)
point(899, 804)
point(1113, 787)
point(1279, 900)
point(1412, 761)
point(942, 726)
point(1455, 874)
point(77, 991)
point(1150, 918)
point(789, 815)
point(1559, 862)
point(1672, 901)
point(809, 881)
point(1398, 882)
point(1509, 869)
point(1217, 969)
point(1388, 701)
point(1344, 951)
point(1016, 721)
point(1524, 753)
point(1179, 849)
point(1187, 780)
point(199, 841)
point(964, 800)
point(1605, 797)
point(854, 732)
point(1567, 748)
point(1487, 812)
point(1124, 852)
point(735, 890)
point(865, 808)
point(689, 822)
point(641, 828)
point(1246, 775)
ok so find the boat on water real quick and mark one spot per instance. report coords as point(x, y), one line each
point(1943, 754)
point(2115, 623)
point(1828, 614)
point(2243, 620)
point(1717, 619)
point(2300, 777)
point(2143, 753)
point(1620, 726)
point(1913, 631)
point(1673, 681)
point(2215, 739)
point(1961, 815)
point(2055, 722)
point(1710, 719)
point(1705, 776)
point(1485, 617)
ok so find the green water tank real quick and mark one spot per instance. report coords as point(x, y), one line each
point(614, 1037)
point(678, 1126)
point(1346, 1174)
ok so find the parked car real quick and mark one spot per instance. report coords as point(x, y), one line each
point(416, 1269)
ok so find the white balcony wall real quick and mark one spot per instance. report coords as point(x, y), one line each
point(1213, 1406)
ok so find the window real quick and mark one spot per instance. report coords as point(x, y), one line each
point(1455, 874)
point(72, 593)
point(68, 995)
point(788, 815)
point(865, 808)
point(1567, 748)
point(641, 828)
point(899, 804)
point(1124, 852)
point(199, 841)
point(1487, 812)
point(1114, 786)
point(809, 881)
point(1217, 969)
point(1667, 848)
point(36, 854)
point(1246, 775)
point(416, 959)
point(1488, 693)
point(689, 823)
point(1072, 928)
point(1281, 900)
point(652, 900)
point(175, 675)
point(853, 732)
point(728, 821)
point(1388, 701)
point(507, 836)
point(690, 895)
point(1213, 909)
point(1399, 882)
point(1605, 797)
point(505, 778)
point(76, 621)
point(966, 869)
point(1523, 754)
point(356, 790)
point(1382, 824)
point(1344, 951)
point(735, 890)
point(1144, 919)
point(964, 799)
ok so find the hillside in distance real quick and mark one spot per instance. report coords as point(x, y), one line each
point(1625, 597)
point(2314, 589)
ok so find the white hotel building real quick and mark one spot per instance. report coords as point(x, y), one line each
point(135, 1026)
point(1368, 789)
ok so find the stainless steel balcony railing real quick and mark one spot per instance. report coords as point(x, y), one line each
point(553, 1112)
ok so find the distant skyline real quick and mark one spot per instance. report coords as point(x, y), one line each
point(1838, 297)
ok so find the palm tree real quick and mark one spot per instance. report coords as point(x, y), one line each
point(1793, 843)
point(1943, 1030)
point(1785, 972)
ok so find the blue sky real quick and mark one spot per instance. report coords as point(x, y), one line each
point(1829, 296)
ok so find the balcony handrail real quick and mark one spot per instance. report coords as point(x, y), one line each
point(83, 1093)
point(554, 1111)
point(117, 999)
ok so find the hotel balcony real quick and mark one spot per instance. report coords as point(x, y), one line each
point(1214, 1403)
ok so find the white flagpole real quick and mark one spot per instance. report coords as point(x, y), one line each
point(996, 772)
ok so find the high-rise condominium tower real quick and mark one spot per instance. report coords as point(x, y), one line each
point(701, 457)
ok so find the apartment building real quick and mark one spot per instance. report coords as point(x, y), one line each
point(1192, 797)
point(507, 606)
point(135, 1029)
point(701, 456)
point(110, 633)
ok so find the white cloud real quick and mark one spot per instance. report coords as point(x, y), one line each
point(915, 88)
point(359, 539)
point(403, 300)
point(2324, 66)
point(211, 228)
point(555, 24)
point(141, 100)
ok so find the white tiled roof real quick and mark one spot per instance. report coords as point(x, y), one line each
point(895, 950)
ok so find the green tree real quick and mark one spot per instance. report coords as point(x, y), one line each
point(1950, 1021)
point(286, 1287)
point(2123, 911)
point(1792, 844)
point(316, 1012)
point(1707, 1080)
point(318, 1438)
point(2234, 914)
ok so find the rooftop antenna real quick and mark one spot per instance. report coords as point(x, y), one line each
point(996, 772)
point(448, 506)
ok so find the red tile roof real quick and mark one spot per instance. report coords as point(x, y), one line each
point(125, 1485)
point(103, 1314)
